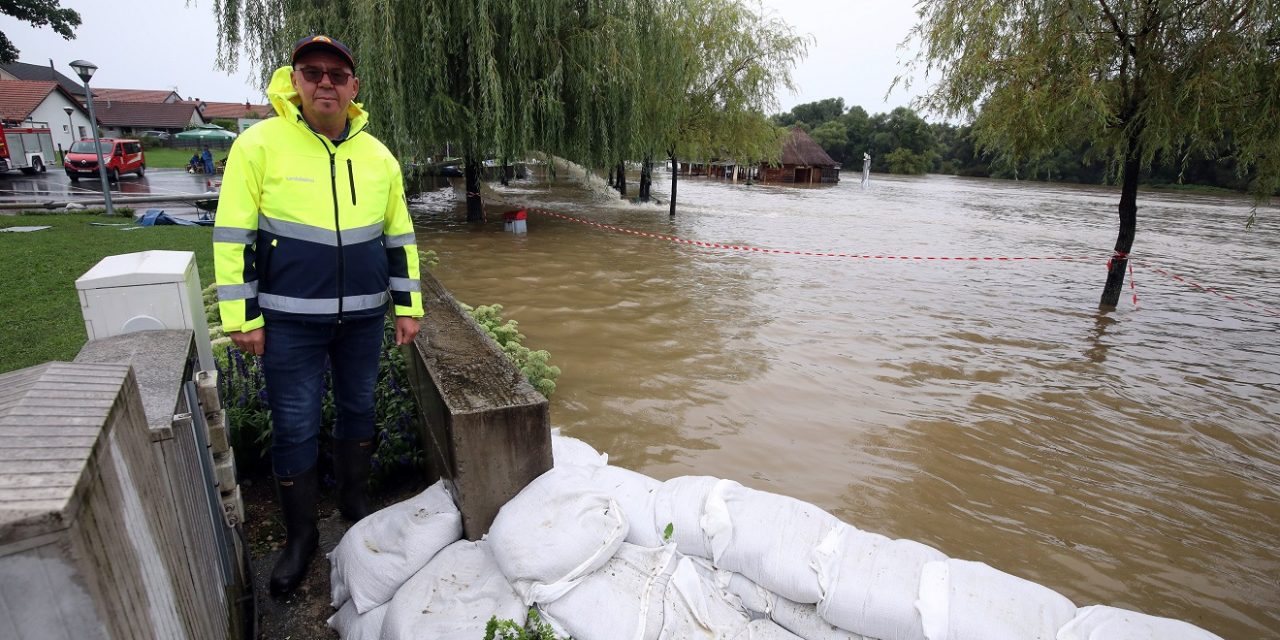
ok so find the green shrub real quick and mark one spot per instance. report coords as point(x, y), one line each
point(533, 364)
point(534, 629)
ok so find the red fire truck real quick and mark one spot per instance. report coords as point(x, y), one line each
point(27, 148)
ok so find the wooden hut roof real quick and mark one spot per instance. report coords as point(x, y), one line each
point(800, 149)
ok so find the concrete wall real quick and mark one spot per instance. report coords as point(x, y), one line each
point(483, 426)
point(110, 526)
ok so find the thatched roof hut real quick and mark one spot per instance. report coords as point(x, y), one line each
point(803, 161)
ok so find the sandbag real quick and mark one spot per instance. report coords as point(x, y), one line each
point(680, 502)
point(558, 529)
point(620, 601)
point(1109, 623)
point(799, 619)
point(453, 597)
point(380, 552)
point(634, 493)
point(572, 451)
point(693, 607)
point(962, 600)
point(765, 630)
point(753, 598)
point(768, 538)
point(870, 583)
point(353, 625)
point(803, 620)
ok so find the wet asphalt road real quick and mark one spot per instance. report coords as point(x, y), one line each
point(54, 185)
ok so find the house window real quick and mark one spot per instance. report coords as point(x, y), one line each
point(83, 133)
point(66, 128)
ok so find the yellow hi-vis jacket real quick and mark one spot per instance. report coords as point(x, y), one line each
point(306, 229)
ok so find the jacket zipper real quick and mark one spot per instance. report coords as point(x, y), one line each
point(337, 229)
point(351, 178)
point(333, 187)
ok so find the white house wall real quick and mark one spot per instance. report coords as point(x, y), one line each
point(50, 112)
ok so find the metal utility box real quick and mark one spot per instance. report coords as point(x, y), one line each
point(149, 290)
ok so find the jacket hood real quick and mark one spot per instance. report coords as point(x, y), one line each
point(284, 98)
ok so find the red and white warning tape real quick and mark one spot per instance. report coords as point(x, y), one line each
point(868, 256)
point(820, 254)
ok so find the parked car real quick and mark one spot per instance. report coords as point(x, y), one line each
point(159, 135)
point(121, 156)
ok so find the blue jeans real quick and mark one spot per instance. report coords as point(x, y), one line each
point(297, 353)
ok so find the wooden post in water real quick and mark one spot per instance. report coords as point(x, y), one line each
point(675, 170)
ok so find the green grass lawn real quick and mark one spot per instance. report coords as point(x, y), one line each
point(166, 158)
point(39, 309)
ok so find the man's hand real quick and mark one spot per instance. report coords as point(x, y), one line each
point(406, 329)
point(251, 342)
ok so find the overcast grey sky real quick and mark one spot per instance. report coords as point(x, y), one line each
point(163, 44)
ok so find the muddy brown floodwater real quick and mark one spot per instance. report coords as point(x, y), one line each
point(984, 407)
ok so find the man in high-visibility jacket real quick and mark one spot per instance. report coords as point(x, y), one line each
point(312, 241)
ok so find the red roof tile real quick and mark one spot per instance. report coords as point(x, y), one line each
point(134, 95)
point(144, 114)
point(236, 110)
point(18, 98)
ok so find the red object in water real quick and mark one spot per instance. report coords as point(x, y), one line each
point(518, 214)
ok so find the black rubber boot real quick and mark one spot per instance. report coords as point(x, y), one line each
point(298, 496)
point(352, 460)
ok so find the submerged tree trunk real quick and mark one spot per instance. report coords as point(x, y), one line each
point(475, 206)
point(506, 166)
point(1128, 228)
point(646, 178)
point(612, 183)
point(622, 179)
point(675, 171)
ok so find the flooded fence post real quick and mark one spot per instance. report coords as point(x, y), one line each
point(484, 428)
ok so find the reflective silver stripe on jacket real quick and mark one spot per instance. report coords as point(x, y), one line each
point(401, 240)
point(308, 233)
point(234, 235)
point(227, 292)
point(321, 306)
point(406, 284)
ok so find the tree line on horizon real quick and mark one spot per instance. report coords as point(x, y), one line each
point(902, 142)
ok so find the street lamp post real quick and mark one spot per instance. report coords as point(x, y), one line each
point(85, 70)
point(71, 131)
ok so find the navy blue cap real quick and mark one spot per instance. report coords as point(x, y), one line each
point(313, 43)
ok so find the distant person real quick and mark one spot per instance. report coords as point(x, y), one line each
point(195, 164)
point(207, 158)
point(308, 260)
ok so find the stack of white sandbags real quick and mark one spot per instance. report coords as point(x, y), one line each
point(606, 553)
point(381, 552)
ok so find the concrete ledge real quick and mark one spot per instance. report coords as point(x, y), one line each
point(485, 429)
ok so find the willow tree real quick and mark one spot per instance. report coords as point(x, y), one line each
point(1143, 81)
point(471, 73)
point(727, 63)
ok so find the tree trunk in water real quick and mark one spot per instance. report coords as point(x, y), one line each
point(646, 178)
point(675, 170)
point(622, 179)
point(506, 165)
point(475, 206)
point(1128, 228)
point(612, 183)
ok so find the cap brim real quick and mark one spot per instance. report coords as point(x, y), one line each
point(322, 46)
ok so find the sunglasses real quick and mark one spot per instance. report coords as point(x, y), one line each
point(313, 75)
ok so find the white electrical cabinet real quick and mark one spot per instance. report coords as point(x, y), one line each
point(149, 290)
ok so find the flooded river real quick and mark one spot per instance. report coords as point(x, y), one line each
point(983, 407)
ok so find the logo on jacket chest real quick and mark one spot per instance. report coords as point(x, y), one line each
point(300, 179)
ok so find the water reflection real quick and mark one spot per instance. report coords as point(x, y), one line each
point(987, 408)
